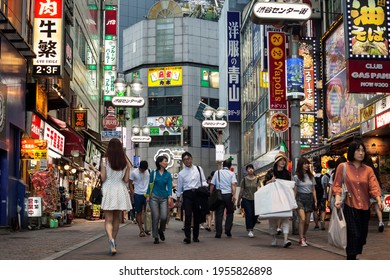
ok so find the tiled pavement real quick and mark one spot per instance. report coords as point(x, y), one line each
point(86, 240)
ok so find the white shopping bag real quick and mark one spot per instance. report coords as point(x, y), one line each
point(337, 233)
point(283, 214)
point(275, 197)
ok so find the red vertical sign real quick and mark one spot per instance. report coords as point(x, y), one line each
point(277, 70)
point(110, 22)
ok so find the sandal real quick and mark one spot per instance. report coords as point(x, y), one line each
point(142, 234)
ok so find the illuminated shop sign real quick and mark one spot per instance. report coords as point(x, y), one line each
point(295, 76)
point(365, 76)
point(110, 23)
point(209, 78)
point(109, 79)
point(383, 119)
point(167, 76)
point(367, 25)
point(165, 125)
point(334, 48)
point(272, 13)
point(48, 39)
point(56, 141)
point(307, 50)
point(234, 67)
point(277, 70)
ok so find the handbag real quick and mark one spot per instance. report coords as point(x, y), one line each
point(202, 190)
point(344, 191)
point(215, 198)
point(151, 185)
point(337, 233)
point(148, 218)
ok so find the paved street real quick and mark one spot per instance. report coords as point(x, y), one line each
point(85, 240)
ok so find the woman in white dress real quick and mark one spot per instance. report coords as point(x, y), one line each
point(115, 171)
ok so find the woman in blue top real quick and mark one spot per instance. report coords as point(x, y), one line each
point(305, 195)
point(159, 197)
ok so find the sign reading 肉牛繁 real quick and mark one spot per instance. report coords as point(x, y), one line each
point(48, 40)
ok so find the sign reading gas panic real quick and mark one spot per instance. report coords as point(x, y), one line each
point(48, 42)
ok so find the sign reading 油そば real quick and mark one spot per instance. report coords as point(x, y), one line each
point(48, 40)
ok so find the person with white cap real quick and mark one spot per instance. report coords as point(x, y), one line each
point(279, 171)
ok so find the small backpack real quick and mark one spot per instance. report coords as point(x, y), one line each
point(319, 187)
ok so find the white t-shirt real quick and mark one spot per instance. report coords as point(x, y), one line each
point(140, 181)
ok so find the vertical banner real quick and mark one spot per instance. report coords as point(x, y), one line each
point(111, 49)
point(48, 39)
point(234, 67)
point(277, 70)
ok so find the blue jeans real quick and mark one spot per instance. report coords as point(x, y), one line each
point(159, 207)
point(250, 217)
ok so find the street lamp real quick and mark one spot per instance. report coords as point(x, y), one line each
point(128, 94)
point(140, 135)
point(214, 120)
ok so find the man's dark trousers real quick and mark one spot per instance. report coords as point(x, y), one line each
point(191, 210)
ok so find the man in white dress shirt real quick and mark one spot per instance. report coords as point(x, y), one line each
point(139, 182)
point(226, 181)
point(189, 180)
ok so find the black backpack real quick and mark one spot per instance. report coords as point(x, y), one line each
point(319, 187)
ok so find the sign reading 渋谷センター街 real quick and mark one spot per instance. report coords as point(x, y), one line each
point(48, 39)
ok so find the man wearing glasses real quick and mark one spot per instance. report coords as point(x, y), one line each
point(189, 180)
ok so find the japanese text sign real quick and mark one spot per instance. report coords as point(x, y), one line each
point(56, 141)
point(80, 119)
point(168, 76)
point(367, 27)
point(48, 39)
point(34, 206)
point(33, 149)
point(277, 70)
point(234, 67)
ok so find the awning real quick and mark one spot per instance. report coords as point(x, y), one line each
point(316, 152)
point(74, 141)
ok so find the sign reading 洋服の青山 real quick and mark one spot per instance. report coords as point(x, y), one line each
point(48, 38)
point(277, 70)
point(234, 66)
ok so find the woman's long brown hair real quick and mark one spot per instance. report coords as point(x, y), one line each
point(300, 172)
point(115, 155)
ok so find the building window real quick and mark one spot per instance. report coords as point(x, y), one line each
point(165, 106)
point(212, 102)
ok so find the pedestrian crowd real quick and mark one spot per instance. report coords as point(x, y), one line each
point(315, 193)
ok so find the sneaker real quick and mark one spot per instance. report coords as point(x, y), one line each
point(201, 227)
point(303, 243)
point(286, 244)
point(316, 228)
point(274, 242)
point(250, 234)
point(279, 231)
point(322, 225)
point(381, 227)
